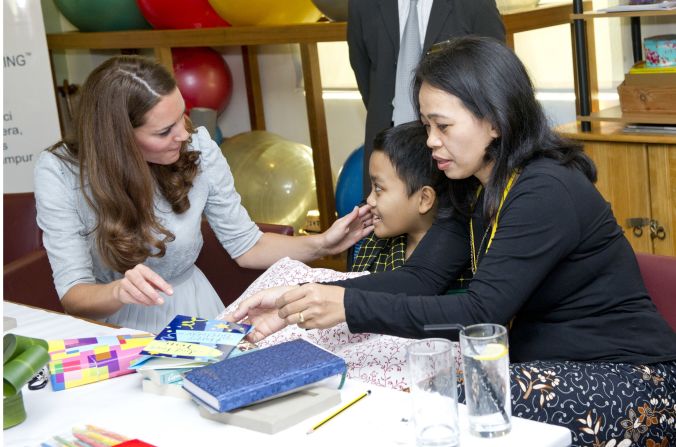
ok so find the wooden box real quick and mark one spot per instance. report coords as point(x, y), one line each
point(648, 93)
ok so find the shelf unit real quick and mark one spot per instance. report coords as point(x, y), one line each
point(307, 36)
point(636, 171)
point(585, 66)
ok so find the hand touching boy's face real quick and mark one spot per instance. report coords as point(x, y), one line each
point(394, 212)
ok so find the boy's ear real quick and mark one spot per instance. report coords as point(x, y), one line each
point(428, 198)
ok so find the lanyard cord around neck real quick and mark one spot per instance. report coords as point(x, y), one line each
point(493, 225)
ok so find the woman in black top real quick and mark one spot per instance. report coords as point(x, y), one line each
point(548, 257)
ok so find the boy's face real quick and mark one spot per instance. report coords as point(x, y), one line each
point(394, 212)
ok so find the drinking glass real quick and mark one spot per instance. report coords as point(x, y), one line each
point(431, 369)
point(485, 354)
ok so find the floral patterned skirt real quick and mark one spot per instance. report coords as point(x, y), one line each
point(603, 404)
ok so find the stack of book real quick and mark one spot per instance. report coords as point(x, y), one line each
point(184, 344)
point(280, 380)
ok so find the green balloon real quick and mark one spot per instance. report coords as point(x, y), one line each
point(103, 15)
point(275, 177)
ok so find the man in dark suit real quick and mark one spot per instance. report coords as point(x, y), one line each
point(373, 36)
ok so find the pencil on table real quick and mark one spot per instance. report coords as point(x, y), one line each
point(338, 411)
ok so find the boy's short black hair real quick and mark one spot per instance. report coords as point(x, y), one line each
point(405, 146)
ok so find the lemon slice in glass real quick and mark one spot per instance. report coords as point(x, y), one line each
point(492, 351)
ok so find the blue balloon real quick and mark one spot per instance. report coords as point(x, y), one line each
point(218, 136)
point(350, 187)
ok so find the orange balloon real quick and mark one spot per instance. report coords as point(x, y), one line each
point(266, 12)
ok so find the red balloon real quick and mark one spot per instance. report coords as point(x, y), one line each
point(179, 14)
point(203, 78)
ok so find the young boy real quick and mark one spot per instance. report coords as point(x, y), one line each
point(404, 186)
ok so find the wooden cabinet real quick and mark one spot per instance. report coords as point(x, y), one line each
point(636, 172)
point(637, 175)
point(306, 36)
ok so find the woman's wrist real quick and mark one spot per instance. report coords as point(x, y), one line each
point(322, 248)
point(117, 291)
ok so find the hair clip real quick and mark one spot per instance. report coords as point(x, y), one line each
point(438, 46)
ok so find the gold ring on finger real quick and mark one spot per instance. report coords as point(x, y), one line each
point(301, 319)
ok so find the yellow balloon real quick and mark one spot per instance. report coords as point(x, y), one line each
point(275, 177)
point(266, 12)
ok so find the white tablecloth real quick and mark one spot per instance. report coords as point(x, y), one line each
point(120, 405)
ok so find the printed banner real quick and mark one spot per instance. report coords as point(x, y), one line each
point(30, 117)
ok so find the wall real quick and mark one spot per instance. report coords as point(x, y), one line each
point(281, 82)
point(546, 53)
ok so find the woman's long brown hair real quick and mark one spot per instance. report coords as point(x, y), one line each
point(116, 180)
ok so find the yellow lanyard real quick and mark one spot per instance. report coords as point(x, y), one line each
point(493, 225)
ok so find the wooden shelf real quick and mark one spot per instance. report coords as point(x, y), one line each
point(627, 14)
point(612, 131)
point(586, 84)
point(636, 172)
point(542, 16)
point(615, 114)
point(307, 35)
point(216, 37)
point(515, 22)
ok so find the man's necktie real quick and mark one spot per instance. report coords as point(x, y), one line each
point(409, 56)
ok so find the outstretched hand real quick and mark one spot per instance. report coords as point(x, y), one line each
point(348, 230)
point(313, 306)
point(261, 311)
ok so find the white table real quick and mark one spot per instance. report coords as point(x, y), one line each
point(120, 405)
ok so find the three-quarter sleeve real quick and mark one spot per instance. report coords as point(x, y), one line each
point(228, 218)
point(61, 217)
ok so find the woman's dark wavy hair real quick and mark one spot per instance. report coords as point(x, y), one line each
point(493, 84)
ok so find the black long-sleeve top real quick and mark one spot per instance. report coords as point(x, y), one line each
point(559, 268)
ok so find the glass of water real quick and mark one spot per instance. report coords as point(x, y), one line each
point(485, 354)
point(431, 373)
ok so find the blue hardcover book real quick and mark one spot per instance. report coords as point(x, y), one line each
point(240, 381)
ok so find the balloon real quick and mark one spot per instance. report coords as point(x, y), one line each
point(335, 10)
point(178, 14)
point(266, 12)
point(102, 15)
point(275, 177)
point(203, 78)
point(350, 187)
